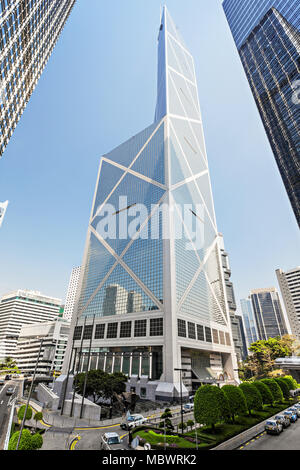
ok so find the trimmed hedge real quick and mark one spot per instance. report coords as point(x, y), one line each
point(22, 411)
point(290, 381)
point(236, 399)
point(274, 388)
point(265, 392)
point(25, 441)
point(253, 397)
point(210, 405)
point(284, 388)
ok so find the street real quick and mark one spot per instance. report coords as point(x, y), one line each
point(289, 439)
point(4, 408)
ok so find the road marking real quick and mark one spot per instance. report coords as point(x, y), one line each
point(74, 442)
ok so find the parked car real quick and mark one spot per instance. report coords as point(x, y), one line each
point(111, 441)
point(273, 427)
point(1, 382)
point(188, 407)
point(291, 415)
point(7, 377)
point(284, 420)
point(296, 410)
point(133, 421)
point(10, 390)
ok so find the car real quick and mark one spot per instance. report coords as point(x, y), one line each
point(1, 382)
point(291, 415)
point(111, 441)
point(133, 421)
point(282, 419)
point(188, 407)
point(273, 427)
point(7, 377)
point(295, 410)
point(10, 390)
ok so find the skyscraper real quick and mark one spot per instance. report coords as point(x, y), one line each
point(249, 322)
point(160, 177)
point(267, 35)
point(71, 294)
point(23, 307)
point(29, 30)
point(268, 313)
point(289, 283)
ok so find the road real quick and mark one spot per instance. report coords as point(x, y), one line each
point(4, 408)
point(289, 439)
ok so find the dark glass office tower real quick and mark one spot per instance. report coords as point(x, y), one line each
point(29, 30)
point(267, 35)
point(268, 313)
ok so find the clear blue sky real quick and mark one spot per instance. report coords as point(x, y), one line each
point(99, 89)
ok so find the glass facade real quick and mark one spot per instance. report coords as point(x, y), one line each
point(28, 33)
point(268, 314)
point(267, 34)
point(249, 321)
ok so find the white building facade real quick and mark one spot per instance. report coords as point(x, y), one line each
point(289, 283)
point(176, 315)
point(54, 335)
point(23, 307)
point(71, 294)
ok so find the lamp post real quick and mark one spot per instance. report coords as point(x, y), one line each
point(181, 410)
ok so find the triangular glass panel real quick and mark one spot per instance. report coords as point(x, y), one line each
point(145, 259)
point(185, 96)
point(173, 29)
point(197, 302)
point(119, 295)
point(179, 168)
point(175, 105)
point(199, 136)
point(110, 175)
point(172, 59)
point(203, 184)
point(125, 153)
point(189, 145)
point(213, 271)
point(99, 262)
point(126, 210)
point(182, 60)
point(186, 258)
point(194, 93)
point(151, 162)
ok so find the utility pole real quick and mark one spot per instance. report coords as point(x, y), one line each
point(29, 395)
point(181, 408)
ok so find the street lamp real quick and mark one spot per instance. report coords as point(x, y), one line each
point(181, 410)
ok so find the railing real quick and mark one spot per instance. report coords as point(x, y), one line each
point(13, 404)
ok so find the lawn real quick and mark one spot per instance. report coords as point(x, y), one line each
point(156, 439)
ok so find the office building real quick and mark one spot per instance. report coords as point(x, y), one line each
point(267, 34)
point(160, 176)
point(54, 336)
point(23, 307)
point(29, 30)
point(249, 321)
point(71, 294)
point(289, 283)
point(268, 313)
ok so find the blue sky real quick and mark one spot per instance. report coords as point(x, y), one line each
point(97, 90)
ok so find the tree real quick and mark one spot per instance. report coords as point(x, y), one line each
point(25, 441)
point(182, 426)
point(265, 392)
point(22, 411)
point(283, 386)
point(274, 388)
point(100, 384)
point(36, 441)
point(166, 414)
point(190, 423)
point(37, 417)
point(236, 399)
point(291, 382)
point(252, 396)
point(210, 405)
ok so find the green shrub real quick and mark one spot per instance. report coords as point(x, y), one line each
point(25, 441)
point(236, 399)
point(182, 426)
point(190, 423)
point(284, 388)
point(22, 411)
point(265, 392)
point(274, 388)
point(252, 396)
point(36, 441)
point(210, 405)
point(291, 382)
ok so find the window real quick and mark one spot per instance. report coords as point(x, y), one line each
point(227, 339)
point(191, 330)
point(99, 332)
point(140, 328)
point(77, 332)
point(200, 332)
point(88, 331)
point(125, 331)
point(208, 335)
point(156, 327)
point(182, 328)
point(112, 330)
point(222, 337)
point(215, 336)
